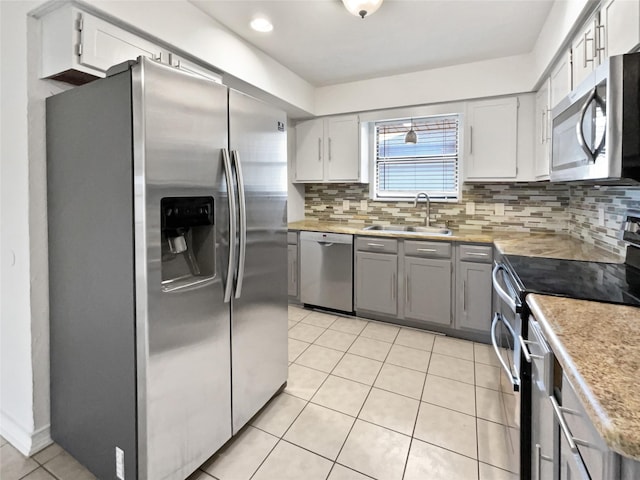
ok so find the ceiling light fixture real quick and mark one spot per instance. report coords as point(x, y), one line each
point(411, 136)
point(362, 8)
point(261, 24)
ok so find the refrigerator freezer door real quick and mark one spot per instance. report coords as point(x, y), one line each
point(259, 316)
point(183, 367)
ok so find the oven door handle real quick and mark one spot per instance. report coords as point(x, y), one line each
point(506, 298)
point(497, 318)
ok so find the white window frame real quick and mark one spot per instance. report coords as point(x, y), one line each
point(407, 114)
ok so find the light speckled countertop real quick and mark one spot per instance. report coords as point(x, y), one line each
point(598, 347)
point(510, 243)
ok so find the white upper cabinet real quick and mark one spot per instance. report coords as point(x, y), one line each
point(343, 153)
point(78, 47)
point(492, 132)
point(620, 26)
point(309, 165)
point(585, 51)
point(543, 132)
point(560, 79)
point(328, 150)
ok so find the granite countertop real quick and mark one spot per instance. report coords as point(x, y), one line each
point(509, 243)
point(598, 347)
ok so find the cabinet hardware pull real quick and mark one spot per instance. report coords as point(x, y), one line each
point(600, 38)
point(329, 148)
point(585, 59)
point(464, 295)
point(470, 139)
point(563, 424)
point(538, 448)
point(378, 245)
point(319, 149)
point(477, 254)
point(542, 127)
point(525, 350)
point(393, 290)
point(427, 250)
point(407, 296)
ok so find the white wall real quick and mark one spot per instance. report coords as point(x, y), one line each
point(16, 369)
point(182, 25)
point(488, 78)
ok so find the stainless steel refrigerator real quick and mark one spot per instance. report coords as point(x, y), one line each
point(167, 268)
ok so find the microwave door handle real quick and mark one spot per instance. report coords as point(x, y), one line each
point(591, 156)
point(601, 105)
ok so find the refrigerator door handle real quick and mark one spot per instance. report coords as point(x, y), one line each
point(231, 196)
point(235, 157)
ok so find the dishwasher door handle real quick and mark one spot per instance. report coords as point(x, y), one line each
point(325, 244)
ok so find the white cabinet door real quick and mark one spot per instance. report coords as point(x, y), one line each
point(103, 45)
point(309, 159)
point(493, 135)
point(620, 29)
point(560, 80)
point(585, 54)
point(342, 161)
point(543, 132)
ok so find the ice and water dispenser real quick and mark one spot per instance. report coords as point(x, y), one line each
point(188, 241)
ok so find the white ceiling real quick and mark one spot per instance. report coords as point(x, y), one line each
point(324, 44)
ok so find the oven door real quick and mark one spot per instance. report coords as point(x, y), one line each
point(506, 326)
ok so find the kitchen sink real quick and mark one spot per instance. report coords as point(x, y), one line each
point(409, 229)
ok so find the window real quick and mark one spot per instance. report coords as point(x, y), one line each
point(430, 165)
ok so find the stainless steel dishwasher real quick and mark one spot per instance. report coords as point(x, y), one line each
point(326, 270)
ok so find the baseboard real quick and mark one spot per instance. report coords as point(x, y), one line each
point(27, 443)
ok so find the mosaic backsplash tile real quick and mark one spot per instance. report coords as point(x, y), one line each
point(528, 207)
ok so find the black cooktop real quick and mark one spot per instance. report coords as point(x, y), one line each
point(602, 282)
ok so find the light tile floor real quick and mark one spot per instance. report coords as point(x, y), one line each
point(364, 400)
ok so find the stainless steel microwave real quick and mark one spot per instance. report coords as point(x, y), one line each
point(596, 128)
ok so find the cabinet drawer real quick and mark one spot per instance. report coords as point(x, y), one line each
point(427, 249)
point(476, 253)
point(376, 244)
point(292, 238)
point(592, 447)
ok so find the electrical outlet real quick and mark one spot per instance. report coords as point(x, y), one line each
point(363, 205)
point(601, 217)
point(471, 208)
point(345, 205)
point(119, 463)
point(499, 208)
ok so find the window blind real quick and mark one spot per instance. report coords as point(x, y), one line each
point(430, 165)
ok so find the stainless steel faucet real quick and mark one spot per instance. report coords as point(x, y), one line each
point(415, 204)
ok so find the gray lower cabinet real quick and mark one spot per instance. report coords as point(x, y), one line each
point(376, 282)
point(428, 290)
point(474, 290)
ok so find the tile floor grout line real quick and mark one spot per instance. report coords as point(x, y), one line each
point(363, 404)
point(475, 397)
point(415, 422)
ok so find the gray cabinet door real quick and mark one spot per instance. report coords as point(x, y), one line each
point(376, 282)
point(474, 294)
point(428, 290)
point(292, 265)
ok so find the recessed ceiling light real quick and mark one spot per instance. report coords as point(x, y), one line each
point(261, 24)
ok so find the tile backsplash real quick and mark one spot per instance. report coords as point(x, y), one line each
point(527, 207)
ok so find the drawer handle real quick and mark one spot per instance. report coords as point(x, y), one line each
point(477, 254)
point(563, 424)
point(427, 250)
point(378, 245)
point(525, 350)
